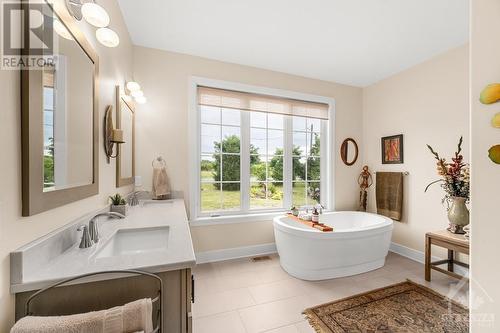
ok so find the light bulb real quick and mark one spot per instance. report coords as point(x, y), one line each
point(95, 15)
point(61, 30)
point(107, 37)
point(137, 93)
point(133, 86)
point(141, 100)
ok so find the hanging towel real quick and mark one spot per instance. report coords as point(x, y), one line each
point(389, 192)
point(131, 317)
point(137, 316)
point(161, 186)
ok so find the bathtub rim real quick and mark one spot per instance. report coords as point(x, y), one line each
point(386, 226)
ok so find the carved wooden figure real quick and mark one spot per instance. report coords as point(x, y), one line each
point(365, 180)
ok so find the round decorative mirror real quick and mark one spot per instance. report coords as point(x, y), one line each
point(349, 151)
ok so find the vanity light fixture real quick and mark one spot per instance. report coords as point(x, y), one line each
point(112, 136)
point(136, 93)
point(134, 90)
point(95, 15)
point(133, 86)
point(74, 8)
point(107, 37)
point(61, 30)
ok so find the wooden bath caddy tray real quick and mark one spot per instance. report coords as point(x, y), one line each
point(316, 225)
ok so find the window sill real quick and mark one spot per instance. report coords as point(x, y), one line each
point(232, 219)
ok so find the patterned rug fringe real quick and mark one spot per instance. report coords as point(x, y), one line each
point(313, 321)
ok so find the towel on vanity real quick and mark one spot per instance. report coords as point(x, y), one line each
point(389, 192)
point(137, 316)
point(131, 317)
point(161, 186)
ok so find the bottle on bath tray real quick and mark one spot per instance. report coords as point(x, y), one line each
point(315, 216)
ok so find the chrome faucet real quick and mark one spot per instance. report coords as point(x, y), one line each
point(132, 198)
point(93, 227)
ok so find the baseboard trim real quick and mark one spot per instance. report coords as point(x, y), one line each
point(419, 256)
point(270, 248)
point(235, 253)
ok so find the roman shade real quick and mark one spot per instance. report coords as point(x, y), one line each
point(260, 103)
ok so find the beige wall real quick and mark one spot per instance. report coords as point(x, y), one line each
point(162, 128)
point(429, 104)
point(485, 177)
point(15, 231)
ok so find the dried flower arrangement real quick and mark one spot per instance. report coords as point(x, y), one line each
point(455, 176)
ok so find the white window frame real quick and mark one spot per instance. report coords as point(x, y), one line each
point(327, 154)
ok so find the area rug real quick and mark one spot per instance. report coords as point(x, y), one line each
point(400, 308)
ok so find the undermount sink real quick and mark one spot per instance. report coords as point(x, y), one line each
point(136, 241)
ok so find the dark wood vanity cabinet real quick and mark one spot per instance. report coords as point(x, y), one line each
point(91, 296)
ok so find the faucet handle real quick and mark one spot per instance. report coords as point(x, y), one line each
point(132, 199)
point(94, 230)
point(86, 241)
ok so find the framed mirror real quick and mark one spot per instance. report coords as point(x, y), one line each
point(125, 120)
point(349, 151)
point(60, 160)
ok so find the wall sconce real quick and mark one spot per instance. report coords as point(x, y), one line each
point(112, 135)
point(134, 90)
point(97, 16)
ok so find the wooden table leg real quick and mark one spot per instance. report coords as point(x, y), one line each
point(427, 258)
point(451, 257)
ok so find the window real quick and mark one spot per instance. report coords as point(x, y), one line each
point(48, 136)
point(220, 159)
point(266, 160)
point(259, 153)
point(49, 99)
point(306, 165)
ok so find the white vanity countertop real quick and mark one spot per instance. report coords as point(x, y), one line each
point(75, 261)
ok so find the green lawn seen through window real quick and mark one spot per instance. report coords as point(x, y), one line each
point(220, 176)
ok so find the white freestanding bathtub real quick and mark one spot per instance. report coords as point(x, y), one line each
point(359, 243)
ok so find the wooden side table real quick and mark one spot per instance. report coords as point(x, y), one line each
point(452, 242)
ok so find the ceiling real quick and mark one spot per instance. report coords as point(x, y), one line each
point(355, 42)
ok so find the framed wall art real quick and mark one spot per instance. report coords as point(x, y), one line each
point(392, 149)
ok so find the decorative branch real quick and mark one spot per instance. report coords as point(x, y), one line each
point(434, 182)
point(436, 155)
point(459, 146)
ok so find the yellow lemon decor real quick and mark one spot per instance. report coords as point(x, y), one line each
point(495, 122)
point(494, 154)
point(490, 94)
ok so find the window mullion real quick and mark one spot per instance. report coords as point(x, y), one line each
point(287, 162)
point(245, 161)
point(324, 158)
point(221, 193)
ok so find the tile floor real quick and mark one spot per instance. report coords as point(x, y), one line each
point(245, 296)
